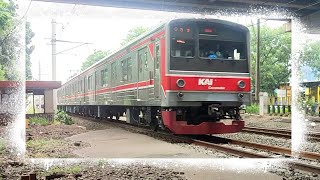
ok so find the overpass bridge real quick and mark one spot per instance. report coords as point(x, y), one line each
point(307, 10)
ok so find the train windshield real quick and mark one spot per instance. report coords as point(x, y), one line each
point(225, 50)
point(218, 42)
point(182, 47)
point(208, 46)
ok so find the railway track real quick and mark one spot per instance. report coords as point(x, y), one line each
point(220, 144)
point(278, 133)
point(247, 154)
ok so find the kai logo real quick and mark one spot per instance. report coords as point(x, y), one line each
point(203, 82)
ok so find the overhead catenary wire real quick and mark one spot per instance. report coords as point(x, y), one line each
point(71, 48)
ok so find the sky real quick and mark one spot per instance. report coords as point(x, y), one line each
point(103, 27)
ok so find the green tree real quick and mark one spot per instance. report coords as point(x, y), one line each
point(311, 57)
point(275, 52)
point(93, 58)
point(7, 11)
point(29, 50)
point(134, 33)
point(8, 40)
point(2, 77)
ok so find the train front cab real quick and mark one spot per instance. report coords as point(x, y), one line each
point(206, 77)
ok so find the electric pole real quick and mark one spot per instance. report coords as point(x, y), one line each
point(257, 88)
point(53, 41)
point(39, 72)
point(54, 54)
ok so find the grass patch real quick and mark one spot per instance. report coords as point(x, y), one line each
point(43, 144)
point(45, 148)
point(63, 170)
point(39, 121)
point(252, 109)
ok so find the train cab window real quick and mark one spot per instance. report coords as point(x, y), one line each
point(217, 49)
point(182, 47)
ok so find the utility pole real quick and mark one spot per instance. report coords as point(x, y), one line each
point(53, 41)
point(39, 72)
point(257, 88)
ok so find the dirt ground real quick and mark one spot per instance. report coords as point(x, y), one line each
point(54, 141)
point(51, 141)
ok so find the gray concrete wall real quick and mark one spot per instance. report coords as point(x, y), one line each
point(313, 23)
point(48, 99)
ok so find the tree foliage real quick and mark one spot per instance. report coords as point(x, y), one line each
point(29, 50)
point(134, 33)
point(8, 41)
point(311, 57)
point(7, 11)
point(275, 49)
point(93, 58)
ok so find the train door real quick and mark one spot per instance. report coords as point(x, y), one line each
point(114, 79)
point(81, 91)
point(90, 89)
point(157, 71)
point(95, 86)
point(84, 89)
point(143, 73)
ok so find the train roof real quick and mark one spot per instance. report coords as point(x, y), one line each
point(121, 48)
point(154, 30)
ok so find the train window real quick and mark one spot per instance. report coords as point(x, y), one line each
point(216, 49)
point(124, 67)
point(104, 77)
point(114, 72)
point(89, 82)
point(157, 56)
point(129, 63)
point(182, 47)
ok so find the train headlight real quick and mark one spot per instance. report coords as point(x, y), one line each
point(181, 83)
point(241, 84)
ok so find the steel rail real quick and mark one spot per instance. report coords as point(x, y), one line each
point(277, 150)
point(278, 133)
point(247, 154)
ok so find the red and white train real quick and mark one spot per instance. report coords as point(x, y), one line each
point(187, 75)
